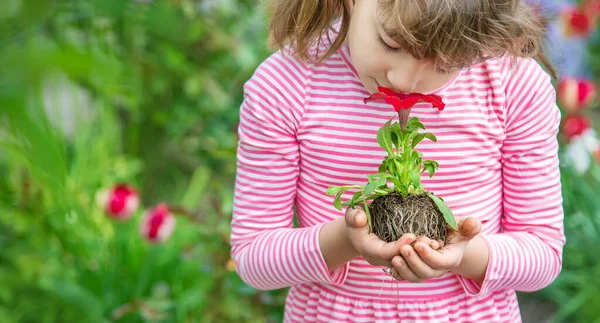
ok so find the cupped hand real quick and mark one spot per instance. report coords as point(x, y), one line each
point(374, 250)
point(419, 262)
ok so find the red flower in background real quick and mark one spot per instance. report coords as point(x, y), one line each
point(119, 202)
point(576, 22)
point(158, 224)
point(575, 94)
point(575, 125)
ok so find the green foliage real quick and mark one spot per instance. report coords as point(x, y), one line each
point(147, 92)
point(576, 291)
point(104, 91)
point(402, 167)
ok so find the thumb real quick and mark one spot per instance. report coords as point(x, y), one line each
point(469, 228)
point(356, 218)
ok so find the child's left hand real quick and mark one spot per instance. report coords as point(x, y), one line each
point(422, 262)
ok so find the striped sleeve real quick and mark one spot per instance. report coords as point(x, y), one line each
point(527, 255)
point(268, 252)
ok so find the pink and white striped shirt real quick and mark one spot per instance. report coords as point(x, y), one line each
point(304, 127)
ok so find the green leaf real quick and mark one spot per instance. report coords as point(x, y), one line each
point(391, 167)
point(383, 166)
point(337, 203)
point(384, 138)
point(415, 123)
point(413, 134)
point(418, 139)
point(431, 166)
point(375, 184)
point(416, 178)
point(369, 187)
point(396, 133)
point(395, 181)
point(430, 169)
point(431, 136)
point(398, 165)
point(333, 190)
point(355, 197)
point(416, 155)
point(448, 216)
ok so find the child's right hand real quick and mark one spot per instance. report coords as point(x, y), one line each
point(375, 251)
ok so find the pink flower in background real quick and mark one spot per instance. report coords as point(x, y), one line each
point(119, 202)
point(575, 125)
point(158, 224)
point(575, 94)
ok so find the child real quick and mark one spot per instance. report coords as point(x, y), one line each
point(304, 127)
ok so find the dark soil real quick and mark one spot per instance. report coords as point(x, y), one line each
point(393, 216)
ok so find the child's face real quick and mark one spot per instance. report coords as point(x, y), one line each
point(380, 61)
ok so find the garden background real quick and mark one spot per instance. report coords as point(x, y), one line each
point(94, 93)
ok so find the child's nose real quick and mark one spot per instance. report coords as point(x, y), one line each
point(405, 76)
point(402, 81)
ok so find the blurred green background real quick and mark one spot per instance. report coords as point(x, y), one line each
point(99, 92)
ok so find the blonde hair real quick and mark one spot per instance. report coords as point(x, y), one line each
point(452, 33)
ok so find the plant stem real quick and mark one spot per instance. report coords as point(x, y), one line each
point(368, 213)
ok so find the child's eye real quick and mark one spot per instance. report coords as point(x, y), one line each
point(387, 47)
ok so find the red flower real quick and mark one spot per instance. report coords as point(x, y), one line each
point(576, 22)
point(405, 100)
point(575, 94)
point(119, 202)
point(575, 125)
point(158, 224)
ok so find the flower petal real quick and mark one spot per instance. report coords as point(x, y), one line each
point(387, 91)
point(395, 101)
point(409, 102)
point(375, 96)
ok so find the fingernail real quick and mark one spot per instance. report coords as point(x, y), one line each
point(406, 253)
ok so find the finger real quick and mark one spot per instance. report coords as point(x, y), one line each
point(379, 252)
point(356, 217)
point(414, 261)
point(424, 239)
point(404, 270)
point(469, 228)
point(432, 243)
point(407, 238)
point(394, 274)
point(441, 243)
point(435, 259)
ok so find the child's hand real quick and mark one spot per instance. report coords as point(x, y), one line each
point(375, 251)
point(420, 261)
